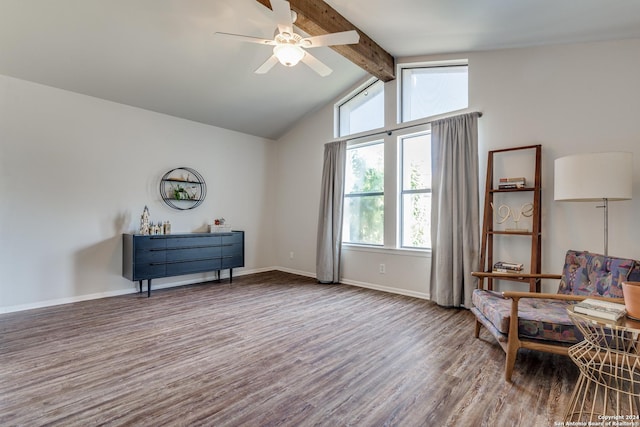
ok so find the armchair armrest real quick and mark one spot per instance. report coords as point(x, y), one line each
point(566, 297)
point(534, 279)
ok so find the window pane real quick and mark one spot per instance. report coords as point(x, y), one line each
point(416, 162)
point(416, 220)
point(364, 220)
point(433, 90)
point(365, 111)
point(365, 169)
point(364, 200)
point(416, 191)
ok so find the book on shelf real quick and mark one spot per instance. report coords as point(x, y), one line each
point(507, 267)
point(512, 266)
point(602, 309)
point(517, 179)
point(505, 270)
point(510, 185)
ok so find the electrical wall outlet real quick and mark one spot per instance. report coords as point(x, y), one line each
point(382, 269)
point(291, 255)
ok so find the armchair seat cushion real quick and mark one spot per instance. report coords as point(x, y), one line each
point(538, 319)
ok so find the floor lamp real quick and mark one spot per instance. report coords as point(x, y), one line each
point(595, 177)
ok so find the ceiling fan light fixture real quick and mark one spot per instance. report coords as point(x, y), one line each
point(288, 54)
point(289, 47)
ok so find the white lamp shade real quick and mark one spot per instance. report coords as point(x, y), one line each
point(594, 176)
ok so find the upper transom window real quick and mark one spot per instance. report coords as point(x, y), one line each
point(363, 111)
point(431, 90)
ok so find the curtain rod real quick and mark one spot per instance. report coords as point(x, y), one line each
point(390, 131)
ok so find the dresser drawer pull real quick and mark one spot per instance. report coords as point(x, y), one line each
point(186, 260)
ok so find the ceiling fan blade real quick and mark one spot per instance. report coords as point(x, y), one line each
point(282, 10)
point(344, 37)
point(316, 65)
point(249, 39)
point(269, 63)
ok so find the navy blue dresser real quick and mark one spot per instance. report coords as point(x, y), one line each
point(152, 257)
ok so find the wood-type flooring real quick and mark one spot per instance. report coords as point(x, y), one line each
point(271, 349)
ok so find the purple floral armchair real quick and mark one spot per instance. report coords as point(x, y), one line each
point(540, 321)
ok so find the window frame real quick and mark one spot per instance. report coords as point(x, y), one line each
point(400, 68)
point(352, 145)
point(390, 135)
point(402, 192)
point(352, 95)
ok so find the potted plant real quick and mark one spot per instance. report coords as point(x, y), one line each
point(180, 193)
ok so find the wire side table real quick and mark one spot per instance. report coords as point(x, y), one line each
point(609, 361)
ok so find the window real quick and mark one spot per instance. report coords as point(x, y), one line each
point(363, 111)
point(364, 194)
point(415, 190)
point(388, 171)
point(429, 91)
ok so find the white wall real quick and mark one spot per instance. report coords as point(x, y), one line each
point(569, 98)
point(297, 179)
point(76, 172)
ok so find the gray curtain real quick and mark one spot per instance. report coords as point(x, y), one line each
point(330, 216)
point(455, 211)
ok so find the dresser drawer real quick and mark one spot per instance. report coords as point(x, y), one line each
point(186, 242)
point(179, 268)
point(149, 271)
point(149, 242)
point(233, 238)
point(235, 250)
point(150, 255)
point(232, 262)
point(189, 254)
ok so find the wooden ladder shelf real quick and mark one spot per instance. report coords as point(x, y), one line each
point(489, 233)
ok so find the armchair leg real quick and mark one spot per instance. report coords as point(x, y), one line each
point(477, 330)
point(510, 361)
point(513, 343)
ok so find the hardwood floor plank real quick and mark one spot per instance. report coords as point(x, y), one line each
point(271, 349)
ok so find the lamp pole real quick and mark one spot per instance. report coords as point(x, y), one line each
point(605, 205)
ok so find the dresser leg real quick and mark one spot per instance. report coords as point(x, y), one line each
point(140, 283)
point(148, 288)
point(231, 275)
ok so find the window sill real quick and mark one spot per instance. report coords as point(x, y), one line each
point(421, 253)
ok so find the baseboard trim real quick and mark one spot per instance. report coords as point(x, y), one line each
point(388, 289)
point(292, 271)
point(59, 301)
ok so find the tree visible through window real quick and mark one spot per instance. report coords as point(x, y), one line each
point(416, 190)
point(364, 195)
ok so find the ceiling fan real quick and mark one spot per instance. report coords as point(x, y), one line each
point(289, 47)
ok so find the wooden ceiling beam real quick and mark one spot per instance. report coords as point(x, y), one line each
point(316, 18)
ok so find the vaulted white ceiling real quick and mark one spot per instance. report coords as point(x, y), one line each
point(161, 55)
